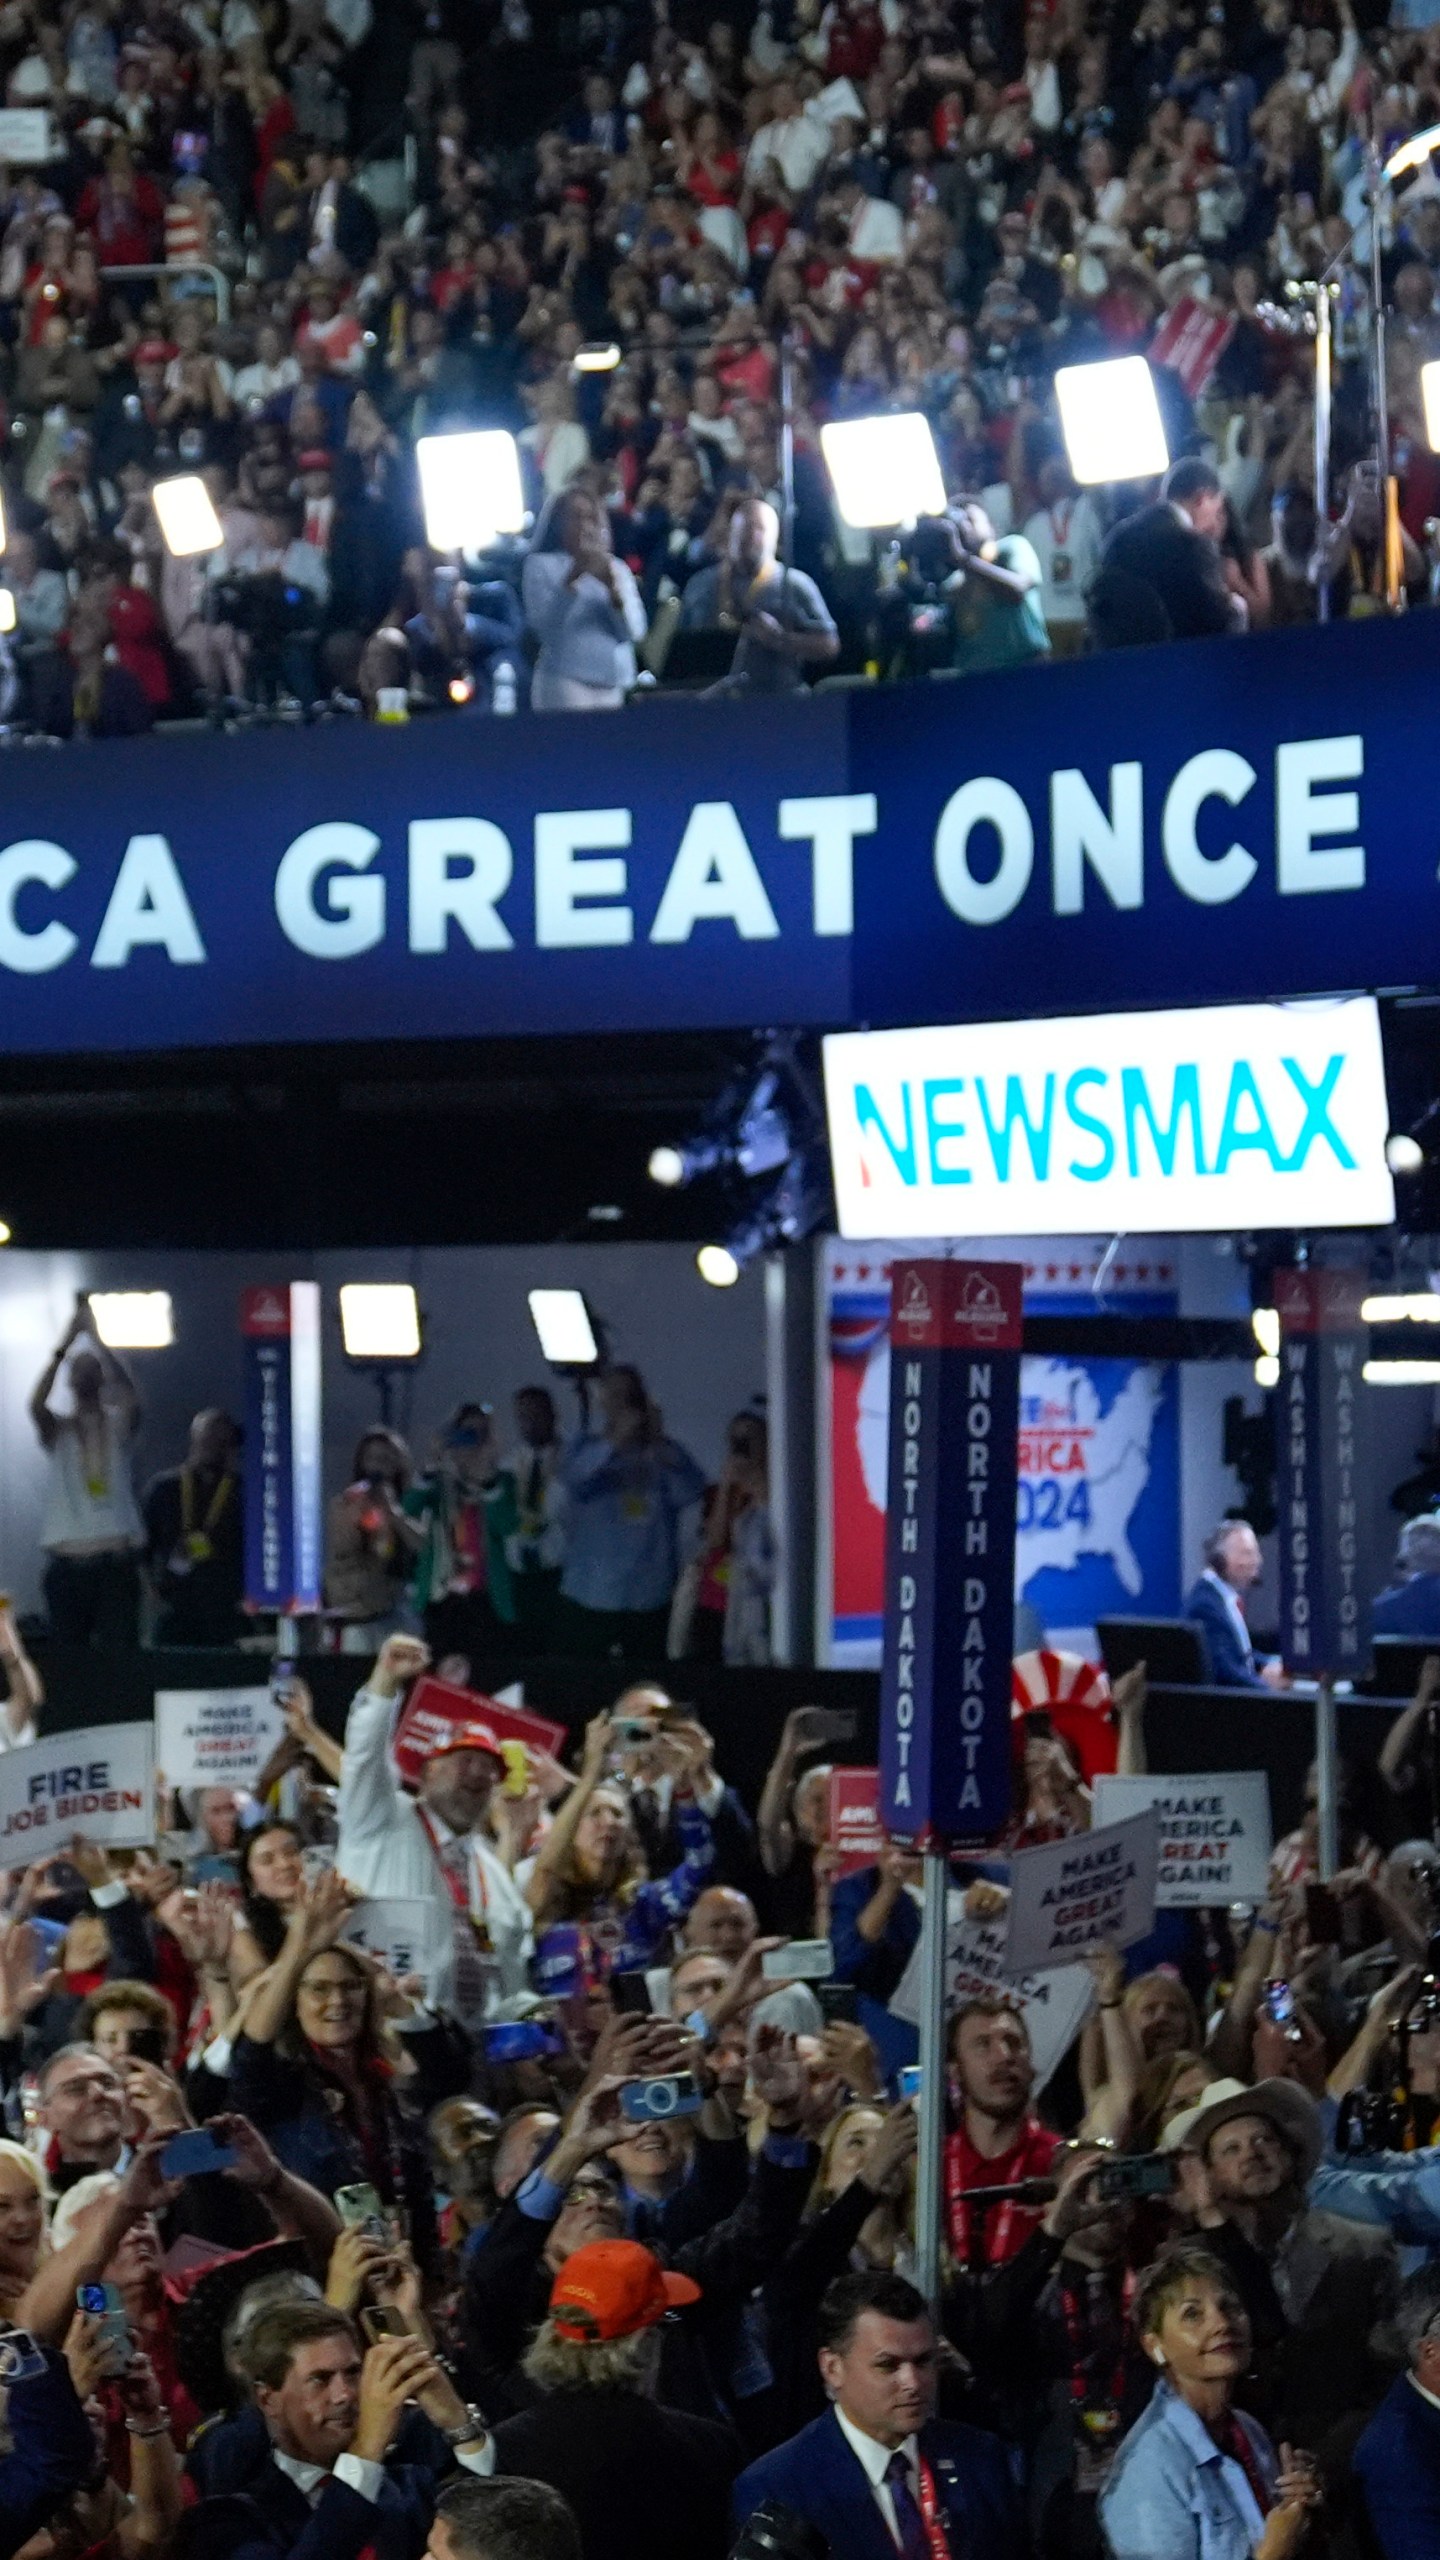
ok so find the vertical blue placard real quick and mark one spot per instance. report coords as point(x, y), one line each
point(1318, 1469)
point(945, 1766)
point(280, 1336)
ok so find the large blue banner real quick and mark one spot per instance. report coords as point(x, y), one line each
point(1210, 821)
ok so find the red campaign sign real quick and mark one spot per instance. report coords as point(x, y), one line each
point(1191, 341)
point(1320, 1301)
point(434, 1708)
point(265, 1311)
point(971, 1306)
point(854, 1824)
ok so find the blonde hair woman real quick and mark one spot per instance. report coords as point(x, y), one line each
point(24, 2204)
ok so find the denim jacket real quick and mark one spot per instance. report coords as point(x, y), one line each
point(1172, 2494)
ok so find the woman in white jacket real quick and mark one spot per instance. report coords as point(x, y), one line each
point(584, 608)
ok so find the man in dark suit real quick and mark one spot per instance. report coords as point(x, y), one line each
point(327, 2486)
point(50, 2453)
point(637, 2476)
point(879, 2474)
point(1411, 1604)
point(1171, 552)
point(502, 2520)
point(652, 1801)
point(1216, 1603)
point(1397, 2460)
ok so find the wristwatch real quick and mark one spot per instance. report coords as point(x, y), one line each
point(470, 2430)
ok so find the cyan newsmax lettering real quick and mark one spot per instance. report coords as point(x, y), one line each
point(1032, 1128)
point(978, 1420)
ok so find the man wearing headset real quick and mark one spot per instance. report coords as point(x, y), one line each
point(1217, 1605)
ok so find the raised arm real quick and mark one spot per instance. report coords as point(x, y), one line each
point(312, 1738)
point(1128, 1698)
point(156, 2478)
point(47, 2305)
point(298, 2210)
point(777, 1831)
point(314, 1923)
point(367, 1786)
point(121, 1392)
point(1398, 1752)
point(1229, 2045)
point(24, 1688)
point(47, 1424)
point(1111, 2095)
point(873, 1922)
point(542, 1891)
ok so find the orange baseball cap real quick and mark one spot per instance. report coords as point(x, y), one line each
point(612, 2288)
point(468, 1737)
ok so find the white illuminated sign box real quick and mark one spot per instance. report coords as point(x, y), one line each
point(1221, 1117)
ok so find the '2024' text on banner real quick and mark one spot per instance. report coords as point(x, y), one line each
point(1229, 1116)
point(98, 1782)
point(1072, 1896)
point(1054, 2005)
point(1215, 1837)
point(215, 1737)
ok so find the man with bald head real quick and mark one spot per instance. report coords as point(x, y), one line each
point(785, 627)
point(194, 1537)
point(722, 1921)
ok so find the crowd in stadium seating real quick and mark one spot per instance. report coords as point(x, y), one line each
point(378, 223)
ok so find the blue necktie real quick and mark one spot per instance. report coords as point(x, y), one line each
point(909, 2523)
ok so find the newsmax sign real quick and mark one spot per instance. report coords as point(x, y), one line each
point(1206, 823)
point(1211, 1118)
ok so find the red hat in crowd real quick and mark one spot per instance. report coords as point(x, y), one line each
point(468, 1737)
point(612, 2288)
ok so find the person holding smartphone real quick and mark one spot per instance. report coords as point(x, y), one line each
point(371, 1543)
point(463, 1511)
point(92, 1532)
point(794, 1817)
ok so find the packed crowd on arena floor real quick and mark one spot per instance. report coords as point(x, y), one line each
point(418, 218)
point(592, 2231)
point(449, 2144)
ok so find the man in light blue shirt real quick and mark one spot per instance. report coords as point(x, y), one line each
point(628, 1488)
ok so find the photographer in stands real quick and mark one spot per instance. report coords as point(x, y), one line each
point(782, 621)
point(273, 591)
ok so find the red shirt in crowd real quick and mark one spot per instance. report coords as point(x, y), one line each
point(1001, 2231)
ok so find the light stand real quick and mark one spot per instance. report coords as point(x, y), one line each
point(1323, 382)
point(1380, 174)
point(787, 449)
